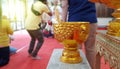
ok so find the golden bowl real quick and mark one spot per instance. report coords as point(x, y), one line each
point(65, 30)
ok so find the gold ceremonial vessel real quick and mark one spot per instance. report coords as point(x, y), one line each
point(65, 32)
point(114, 26)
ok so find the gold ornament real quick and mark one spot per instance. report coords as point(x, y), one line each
point(65, 30)
point(114, 26)
point(71, 34)
point(70, 53)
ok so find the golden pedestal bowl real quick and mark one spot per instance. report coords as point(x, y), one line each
point(71, 33)
point(65, 30)
point(114, 26)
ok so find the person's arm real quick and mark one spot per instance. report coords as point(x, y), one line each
point(64, 9)
point(47, 10)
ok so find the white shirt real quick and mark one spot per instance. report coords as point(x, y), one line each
point(54, 20)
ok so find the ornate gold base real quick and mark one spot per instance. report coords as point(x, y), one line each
point(70, 53)
point(71, 57)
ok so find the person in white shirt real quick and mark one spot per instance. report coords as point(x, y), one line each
point(56, 11)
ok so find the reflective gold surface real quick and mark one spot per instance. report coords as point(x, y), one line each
point(70, 53)
point(66, 30)
point(114, 26)
point(114, 29)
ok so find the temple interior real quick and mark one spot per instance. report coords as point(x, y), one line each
point(106, 45)
point(16, 12)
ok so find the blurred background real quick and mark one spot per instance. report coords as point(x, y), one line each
point(16, 12)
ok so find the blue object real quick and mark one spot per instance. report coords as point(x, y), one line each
point(81, 10)
point(12, 50)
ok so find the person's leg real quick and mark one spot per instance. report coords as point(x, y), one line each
point(38, 34)
point(4, 56)
point(98, 61)
point(32, 42)
point(90, 45)
point(50, 34)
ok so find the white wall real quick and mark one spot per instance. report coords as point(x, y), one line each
point(103, 22)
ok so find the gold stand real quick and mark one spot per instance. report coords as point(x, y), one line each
point(114, 26)
point(70, 53)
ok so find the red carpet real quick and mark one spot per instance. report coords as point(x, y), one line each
point(21, 60)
